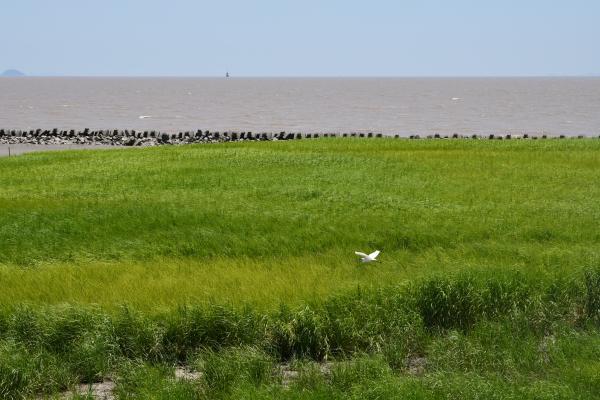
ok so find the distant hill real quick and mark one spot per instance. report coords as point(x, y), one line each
point(12, 72)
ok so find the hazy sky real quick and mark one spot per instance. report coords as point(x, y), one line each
point(301, 38)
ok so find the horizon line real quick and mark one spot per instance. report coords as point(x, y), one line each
point(588, 75)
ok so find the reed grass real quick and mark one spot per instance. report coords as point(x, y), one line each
point(267, 223)
point(370, 335)
point(237, 260)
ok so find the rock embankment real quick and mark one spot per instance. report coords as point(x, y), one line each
point(138, 138)
point(155, 138)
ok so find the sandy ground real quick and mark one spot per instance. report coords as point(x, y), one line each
point(16, 149)
point(105, 390)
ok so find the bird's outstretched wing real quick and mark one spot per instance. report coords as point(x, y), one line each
point(358, 253)
point(374, 254)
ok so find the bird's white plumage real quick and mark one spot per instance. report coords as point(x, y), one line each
point(367, 257)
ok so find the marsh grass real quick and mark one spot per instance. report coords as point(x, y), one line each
point(370, 335)
point(592, 299)
point(223, 370)
point(237, 259)
point(263, 223)
point(139, 380)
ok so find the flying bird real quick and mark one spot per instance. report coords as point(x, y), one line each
point(366, 258)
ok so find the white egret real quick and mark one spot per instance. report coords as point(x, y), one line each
point(366, 258)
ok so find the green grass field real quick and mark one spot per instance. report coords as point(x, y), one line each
point(272, 222)
point(102, 252)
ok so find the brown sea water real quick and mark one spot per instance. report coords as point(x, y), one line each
point(404, 106)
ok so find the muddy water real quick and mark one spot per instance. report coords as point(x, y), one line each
point(405, 106)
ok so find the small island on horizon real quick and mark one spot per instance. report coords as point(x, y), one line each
point(12, 73)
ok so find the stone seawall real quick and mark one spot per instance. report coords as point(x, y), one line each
point(155, 138)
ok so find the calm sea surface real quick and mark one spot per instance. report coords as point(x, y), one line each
point(402, 106)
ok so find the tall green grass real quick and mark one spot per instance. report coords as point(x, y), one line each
point(237, 260)
point(271, 222)
point(504, 332)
